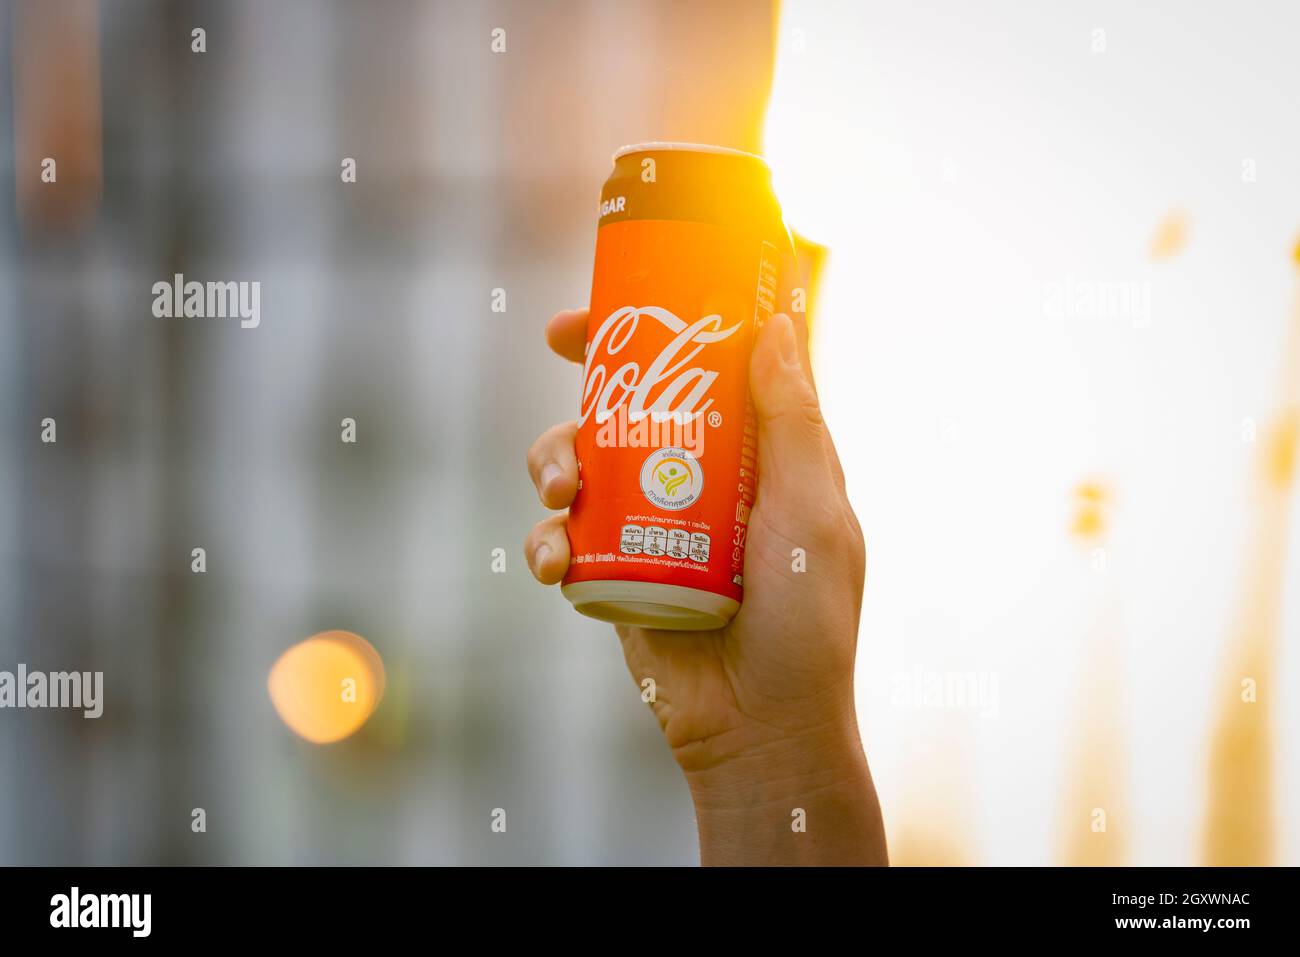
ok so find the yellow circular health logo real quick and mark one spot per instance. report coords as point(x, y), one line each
point(671, 478)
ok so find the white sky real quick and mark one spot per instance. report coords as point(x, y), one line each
point(967, 165)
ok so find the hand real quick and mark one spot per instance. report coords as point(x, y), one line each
point(759, 714)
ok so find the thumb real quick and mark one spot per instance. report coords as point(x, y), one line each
point(793, 460)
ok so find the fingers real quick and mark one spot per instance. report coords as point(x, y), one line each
point(554, 465)
point(796, 461)
point(566, 334)
point(547, 549)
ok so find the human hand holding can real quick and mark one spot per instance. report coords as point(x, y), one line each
point(755, 698)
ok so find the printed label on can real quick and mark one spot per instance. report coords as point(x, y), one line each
point(666, 440)
point(672, 479)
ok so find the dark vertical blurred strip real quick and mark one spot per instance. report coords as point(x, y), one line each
point(56, 106)
point(10, 442)
point(57, 114)
point(198, 212)
point(164, 661)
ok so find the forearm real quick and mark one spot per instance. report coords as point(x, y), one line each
point(801, 802)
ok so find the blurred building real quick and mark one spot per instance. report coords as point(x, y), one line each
point(476, 170)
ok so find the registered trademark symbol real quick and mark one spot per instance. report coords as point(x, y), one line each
point(715, 419)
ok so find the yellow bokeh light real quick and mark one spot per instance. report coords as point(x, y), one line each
point(1281, 449)
point(1090, 507)
point(326, 687)
point(1170, 236)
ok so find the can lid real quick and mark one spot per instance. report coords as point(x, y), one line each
point(655, 145)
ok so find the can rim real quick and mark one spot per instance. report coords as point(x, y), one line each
point(654, 145)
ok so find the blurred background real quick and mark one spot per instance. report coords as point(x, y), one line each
point(1057, 339)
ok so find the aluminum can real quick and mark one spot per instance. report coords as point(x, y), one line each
point(690, 243)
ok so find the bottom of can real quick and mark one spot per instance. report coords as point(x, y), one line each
point(651, 605)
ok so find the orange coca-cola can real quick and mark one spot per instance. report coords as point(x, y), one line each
point(689, 248)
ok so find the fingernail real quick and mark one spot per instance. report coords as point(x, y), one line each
point(539, 556)
point(550, 473)
point(789, 350)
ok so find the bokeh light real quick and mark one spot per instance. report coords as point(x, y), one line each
point(325, 688)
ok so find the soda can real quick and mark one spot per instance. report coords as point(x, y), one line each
point(689, 247)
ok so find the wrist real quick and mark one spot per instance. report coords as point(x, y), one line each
point(774, 766)
point(798, 799)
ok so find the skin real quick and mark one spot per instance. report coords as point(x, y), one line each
point(759, 714)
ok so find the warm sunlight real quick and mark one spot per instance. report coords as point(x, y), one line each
point(1041, 558)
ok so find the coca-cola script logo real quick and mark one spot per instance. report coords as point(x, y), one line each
point(664, 389)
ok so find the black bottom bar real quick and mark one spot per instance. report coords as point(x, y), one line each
point(303, 905)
